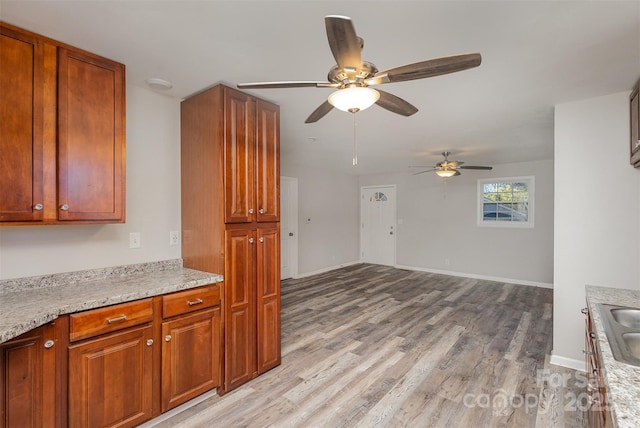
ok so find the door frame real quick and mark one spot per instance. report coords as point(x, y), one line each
point(395, 215)
point(293, 249)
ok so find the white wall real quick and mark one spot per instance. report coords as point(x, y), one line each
point(439, 228)
point(596, 212)
point(330, 200)
point(153, 204)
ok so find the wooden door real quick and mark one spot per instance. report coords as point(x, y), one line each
point(239, 301)
point(21, 126)
point(268, 297)
point(111, 379)
point(239, 152)
point(268, 162)
point(27, 379)
point(91, 138)
point(190, 357)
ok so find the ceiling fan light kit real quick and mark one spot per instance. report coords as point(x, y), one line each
point(446, 173)
point(352, 76)
point(354, 98)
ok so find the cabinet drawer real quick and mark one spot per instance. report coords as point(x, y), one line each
point(187, 301)
point(103, 320)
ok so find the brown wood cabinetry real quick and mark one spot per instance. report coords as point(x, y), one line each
point(634, 108)
point(191, 349)
point(28, 379)
point(62, 109)
point(111, 366)
point(598, 413)
point(230, 219)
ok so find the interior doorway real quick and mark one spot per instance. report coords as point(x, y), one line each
point(288, 227)
point(378, 224)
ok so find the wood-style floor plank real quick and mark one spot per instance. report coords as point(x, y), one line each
point(369, 346)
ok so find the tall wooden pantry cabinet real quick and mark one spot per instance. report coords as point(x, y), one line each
point(230, 155)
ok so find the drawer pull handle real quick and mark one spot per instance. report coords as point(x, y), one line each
point(116, 319)
point(194, 302)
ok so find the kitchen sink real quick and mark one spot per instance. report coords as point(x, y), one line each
point(628, 317)
point(622, 327)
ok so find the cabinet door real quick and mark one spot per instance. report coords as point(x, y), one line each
point(268, 162)
point(111, 380)
point(91, 138)
point(190, 357)
point(27, 377)
point(21, 126)
point(239, 301)
point(635, 127)
point(268, 297)
point(239, 148)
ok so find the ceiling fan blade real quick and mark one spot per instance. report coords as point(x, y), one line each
point(422, 172)
point(264, 85)
point(344, 43)
point(428, 68)
point(395, 104)
point(486, 168)
point(319, 113)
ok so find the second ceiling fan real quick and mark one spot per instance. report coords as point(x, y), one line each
point(448, 168)
point(353, 77)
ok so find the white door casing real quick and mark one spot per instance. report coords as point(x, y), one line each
point(288, 227)
point(378, 224)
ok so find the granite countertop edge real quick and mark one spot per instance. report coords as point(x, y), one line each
point(622, 380)
point(27, 303)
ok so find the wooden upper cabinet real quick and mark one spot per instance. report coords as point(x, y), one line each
point(635, 126)
point(21, 126)
point(239, 152)
point(62, 133)
point(251, 159)
point(268, 162)
point(91, 139)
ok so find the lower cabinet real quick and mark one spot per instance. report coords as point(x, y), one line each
point(190, 346)
point(130, 362)
point(111, 379)
point(598, 414)
point(252, 302)
point(27, 377)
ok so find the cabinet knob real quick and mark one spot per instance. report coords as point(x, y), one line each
point(592, 335)
point(261, 210)
point(250, 240)
point(49, 344)
point(584, 311)
point(149, 342)
point(38, 207)
point(167, 338)
point(64, 207)
point(250, 210)
point(587, 352)
point(261, 239)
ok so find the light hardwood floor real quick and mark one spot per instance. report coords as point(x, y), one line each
point(369, 345)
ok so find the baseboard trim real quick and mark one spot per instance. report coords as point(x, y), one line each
point(568, 362)
point(474, 276)
point(326, 269)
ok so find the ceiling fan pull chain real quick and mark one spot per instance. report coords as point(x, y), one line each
point(355, 139)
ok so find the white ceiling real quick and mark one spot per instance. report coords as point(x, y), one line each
point(535, 54)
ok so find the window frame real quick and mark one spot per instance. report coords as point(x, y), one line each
point(529, 179)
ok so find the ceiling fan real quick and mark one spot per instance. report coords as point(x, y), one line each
point(448, 168)
point(353, 77)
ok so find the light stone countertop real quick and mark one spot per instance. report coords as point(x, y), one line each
point(622, 380)
point(27, 303)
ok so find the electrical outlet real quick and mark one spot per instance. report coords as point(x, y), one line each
point(134, 240)
point(174, 237)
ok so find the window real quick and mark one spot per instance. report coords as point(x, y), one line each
point(506, 202)
point(378, 197)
